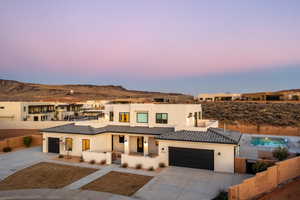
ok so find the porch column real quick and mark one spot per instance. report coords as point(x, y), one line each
point(146, 145)
point(126, 144)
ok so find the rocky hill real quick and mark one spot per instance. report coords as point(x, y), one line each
point(275, 114)
point(19, 91)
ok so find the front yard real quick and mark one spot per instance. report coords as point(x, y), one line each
point(118, 183)
point(45, 175)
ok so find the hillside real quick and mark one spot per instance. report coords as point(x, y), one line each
point(275, 114)
point(19, 91)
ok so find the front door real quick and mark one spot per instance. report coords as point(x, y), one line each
point(53, 145)
point(140, 144)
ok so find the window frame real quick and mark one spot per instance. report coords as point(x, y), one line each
point(83, 148)
point(137, 119)
point(121, 141)
point(66, 143)
point(123, 119)
point(161, 120)
point(111, 116)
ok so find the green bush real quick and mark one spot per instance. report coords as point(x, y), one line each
point(7, 149)
point(151, 169)
point(223, 195)
point(281, 153)
point(27, 141)
point(260, 166)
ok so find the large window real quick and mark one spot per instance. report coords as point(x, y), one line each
point(85, 144)
point(124, 117)
point(68, 144)
point(161, 118)
point(111, 116)
point(142, 117)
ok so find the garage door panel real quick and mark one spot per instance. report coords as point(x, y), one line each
point(194, 158)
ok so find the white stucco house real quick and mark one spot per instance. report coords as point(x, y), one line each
point(148, 134)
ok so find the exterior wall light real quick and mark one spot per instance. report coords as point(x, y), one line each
point(219, 153)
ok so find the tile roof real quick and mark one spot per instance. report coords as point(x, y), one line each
point(89, 130)
point(212, 135)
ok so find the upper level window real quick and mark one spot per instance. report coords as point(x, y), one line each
point(142, 117)
point(1, 107)
point(69, 144)
point(111, 116)
point(162, 118)
point(124, 117)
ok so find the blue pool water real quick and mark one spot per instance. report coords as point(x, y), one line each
point(268, 142)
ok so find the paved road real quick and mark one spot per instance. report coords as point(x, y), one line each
point(179, 183)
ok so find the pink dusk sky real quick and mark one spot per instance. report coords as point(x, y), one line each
point(153, 45)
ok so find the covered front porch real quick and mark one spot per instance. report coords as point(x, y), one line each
point(131, 149)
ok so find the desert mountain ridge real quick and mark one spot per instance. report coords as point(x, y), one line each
point(11, 90)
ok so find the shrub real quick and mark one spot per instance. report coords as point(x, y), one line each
point(162, 165)
point(260, 166)
point(138, 166)
point(60, 156)
point(92, 162)
point(223, 195)
point(151, 169)
point(281, 153)
point(124, 165)
point(7, 149)
point(27, 141)
point(81, 159)
point(103, 162)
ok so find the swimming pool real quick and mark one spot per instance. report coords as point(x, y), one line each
point(268, 142)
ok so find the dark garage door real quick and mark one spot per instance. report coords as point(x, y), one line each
point(194, 158)
point(53, 145)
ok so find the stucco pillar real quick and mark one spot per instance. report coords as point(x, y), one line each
point(146, 145)
point(126, 144)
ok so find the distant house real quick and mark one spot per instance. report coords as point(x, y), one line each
point(218, 97)
point(148, 134)
point(27, 111)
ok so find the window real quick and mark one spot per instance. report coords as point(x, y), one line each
point(111, 116)
point(142, 117)
point(121, 139)
point(124, 117)
point(1, 107)
point(24, 109)
point(161, 118)
point(69, 144)
point(85, 144)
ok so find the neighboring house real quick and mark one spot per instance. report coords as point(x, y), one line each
point(67, 111)
point(219, 97)
point(26, 111)
point(148, 134)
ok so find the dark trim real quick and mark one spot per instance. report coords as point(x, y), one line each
point(99, 133)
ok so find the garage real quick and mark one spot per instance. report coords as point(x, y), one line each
point(193, 158)
point(53, 145)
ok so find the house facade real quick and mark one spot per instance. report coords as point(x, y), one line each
point(148, 134)
point(27, 111)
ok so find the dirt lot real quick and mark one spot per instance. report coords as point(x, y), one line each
point(8, 133)
point(44, 175)
point(118, 183)
point(290, 191)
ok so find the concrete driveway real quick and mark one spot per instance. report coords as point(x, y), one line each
point(187, 184)
point(14, 161)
